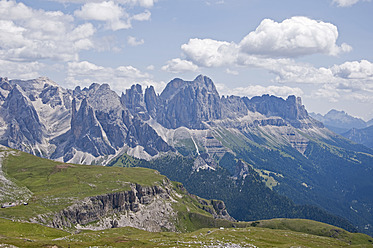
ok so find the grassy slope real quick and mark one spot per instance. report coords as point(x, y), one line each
point(57, 185)
point(313, 235)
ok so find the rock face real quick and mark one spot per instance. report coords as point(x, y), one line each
point(290, 109)
point(189, 104)
point(94, 124)
point(24, 126)
point(147, 208)
point(218, 209)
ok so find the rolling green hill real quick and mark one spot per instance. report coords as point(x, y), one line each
point(53, 188)
point(73, 197)
point(273, 233)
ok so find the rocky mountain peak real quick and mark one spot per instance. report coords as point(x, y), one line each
point(339, 121)
point(4, 84)
point(189, 103)
point(289, 109)
point(134, 101)
point(24, 126)
point(200, 82)
point(206, 82)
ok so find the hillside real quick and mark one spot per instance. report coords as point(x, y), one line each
point(362, 136)
point(77, 197)
point(278, 233)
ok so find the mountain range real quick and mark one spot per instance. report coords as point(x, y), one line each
point(340, 122)
point(265, 156)
point(353, 128)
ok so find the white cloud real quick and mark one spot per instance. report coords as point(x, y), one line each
point(84, 73)
point(150, 67)
point(328, 92)
point(143, 3)
point(29, 34)
point(347, 3)
point(19, 70)
point(133, 41)
point(179, 66)
point(293, 37)
point(210, 53)
point(232, 72)
point(273, 46)
point(112, 13)
point(354, 70)
point(144, 16)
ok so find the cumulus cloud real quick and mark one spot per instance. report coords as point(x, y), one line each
point(29, 34)
point(210, 53)
point(274, 47)
point(110, 12)
point(293, 37)
point(114, 15)
point(179, 66)
point(120, 78)
point(133, 41)
point(144, 16)
point(354, 70)
point(348, 3)
point(143, 3)
point(20, 70)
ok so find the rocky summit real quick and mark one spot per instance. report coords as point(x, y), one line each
point(94, 124)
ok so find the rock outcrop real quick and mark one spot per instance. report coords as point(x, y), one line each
point(189, 104)
point(147, 208)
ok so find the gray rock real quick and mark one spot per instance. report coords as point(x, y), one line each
point(24, 127)
point(189, 104)
point(134, 102)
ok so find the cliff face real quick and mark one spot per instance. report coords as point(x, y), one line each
point(145, 207)
point(189, 104)
point(94, 124)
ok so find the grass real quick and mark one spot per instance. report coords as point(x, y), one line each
point(316, 228)
point(33, 235)
point(57, 185)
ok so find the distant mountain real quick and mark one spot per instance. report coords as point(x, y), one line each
point(339, 121)
point(370, 123)
point(362, 136)
point(264, 156)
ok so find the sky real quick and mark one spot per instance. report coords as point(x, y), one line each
point(320, 50)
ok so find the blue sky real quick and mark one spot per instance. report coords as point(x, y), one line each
point(320, 50)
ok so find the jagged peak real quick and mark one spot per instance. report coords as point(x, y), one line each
point(177, 84)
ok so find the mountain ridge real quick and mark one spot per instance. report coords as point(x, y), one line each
point(283, 149)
